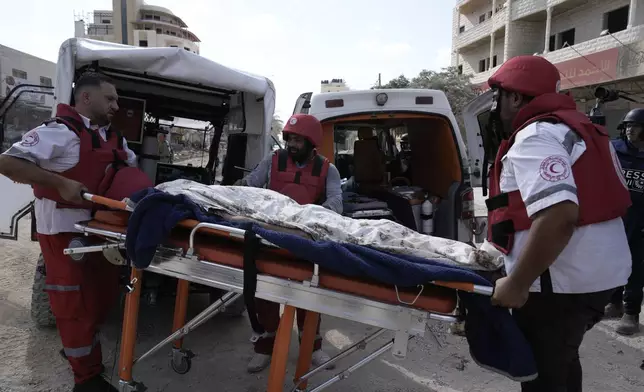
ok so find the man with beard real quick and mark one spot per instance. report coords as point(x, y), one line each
point(630, 151)
point(557, 198)
point(308, 178)
point(66, 155)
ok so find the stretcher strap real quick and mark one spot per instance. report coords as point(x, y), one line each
point(251, 248)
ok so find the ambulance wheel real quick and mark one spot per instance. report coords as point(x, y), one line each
point(40, 309)
point(181, 361)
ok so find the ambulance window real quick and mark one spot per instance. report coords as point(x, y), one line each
point(483, 119)
point(343, 140)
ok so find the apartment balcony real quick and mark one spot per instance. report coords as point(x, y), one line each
point(535, 10)
point(482, 77)
point(522, 9)
point(478, 34)
point(499, 18)
point(467, 6)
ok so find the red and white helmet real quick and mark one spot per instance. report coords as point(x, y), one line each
point(306, 126)
point(528, 75)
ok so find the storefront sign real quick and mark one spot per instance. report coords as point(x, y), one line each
point(631, 60)
point(590, 69)
point(610, 65)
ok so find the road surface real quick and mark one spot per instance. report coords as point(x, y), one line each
point(30, 361)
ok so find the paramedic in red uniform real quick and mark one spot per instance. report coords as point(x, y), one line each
point(557, 197)
point(59, 159)
point(309, 178)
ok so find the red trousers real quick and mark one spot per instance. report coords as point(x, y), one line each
point(268, 314)
point(81, 295)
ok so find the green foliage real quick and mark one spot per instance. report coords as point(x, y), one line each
point(457, 87)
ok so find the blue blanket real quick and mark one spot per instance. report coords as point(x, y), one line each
point(494, 339)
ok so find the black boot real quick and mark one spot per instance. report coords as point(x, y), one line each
point(95, 384)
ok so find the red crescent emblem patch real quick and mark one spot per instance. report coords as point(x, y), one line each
point(30, 139)
point(554, 168)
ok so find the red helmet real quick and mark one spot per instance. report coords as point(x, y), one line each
point(306, 126)
point(528, 75)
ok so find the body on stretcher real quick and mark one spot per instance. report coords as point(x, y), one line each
point(212, 255)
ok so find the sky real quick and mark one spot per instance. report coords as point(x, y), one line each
point(295, 43)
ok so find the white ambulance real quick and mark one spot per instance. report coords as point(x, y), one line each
point(423, 183)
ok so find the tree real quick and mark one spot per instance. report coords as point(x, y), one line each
point(276, 126)
point(399, 82)
point(457, 87)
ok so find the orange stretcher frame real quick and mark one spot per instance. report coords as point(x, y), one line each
point(205, 245)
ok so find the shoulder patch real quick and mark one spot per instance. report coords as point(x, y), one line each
point(554, 168)
point(30, 139)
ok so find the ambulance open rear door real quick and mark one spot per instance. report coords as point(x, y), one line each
point(24, 108)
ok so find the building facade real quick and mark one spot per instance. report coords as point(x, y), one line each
point(333, 86)
point(133, 22)
point(23, 108)
point(18, 68)
point(592, 43)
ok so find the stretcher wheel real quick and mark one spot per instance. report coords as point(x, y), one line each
point(40, 309)
point(181, 360)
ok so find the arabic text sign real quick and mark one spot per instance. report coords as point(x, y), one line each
point(631, 60)
point(594, 68)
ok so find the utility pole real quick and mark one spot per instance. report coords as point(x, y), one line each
point(379, 81)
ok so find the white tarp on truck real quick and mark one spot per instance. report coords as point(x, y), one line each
point(252, 99)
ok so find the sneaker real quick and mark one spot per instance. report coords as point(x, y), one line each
point(628, 325)
point(95, 384)
point(614, 311)
point(319, 357)
point(258, 363)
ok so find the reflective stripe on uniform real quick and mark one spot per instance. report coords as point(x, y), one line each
point(570, 140)
point(59, 287)
point(549, 192)
point(84, 351)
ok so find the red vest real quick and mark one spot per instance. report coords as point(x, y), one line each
point(98, 161)
point(602, 194)
point(305, 185)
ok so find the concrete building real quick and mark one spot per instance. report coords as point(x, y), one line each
point(333, 86)
point(18, 68)
point(133, 22)
point(28, 106)
point(592, 43)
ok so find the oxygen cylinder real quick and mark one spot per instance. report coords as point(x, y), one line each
point(150, 155)
point(427, 217)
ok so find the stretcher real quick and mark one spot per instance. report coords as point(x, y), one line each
point(212, 255)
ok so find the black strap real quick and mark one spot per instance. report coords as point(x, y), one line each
point(118, 162)
point(501, 233)
point(77, 125)
point(298, 176)
point(119, 140)
point(282, 160)
point(80, 127)
point(546, 282)
point(318, 162)
point(251, 247)
point(499, 201)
